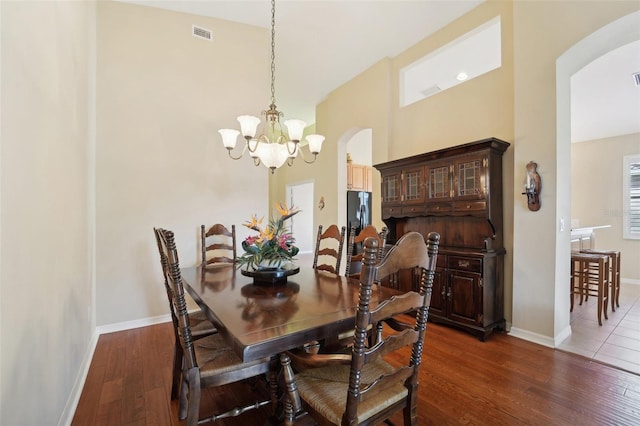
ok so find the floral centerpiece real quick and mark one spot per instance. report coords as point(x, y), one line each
point(273, 247)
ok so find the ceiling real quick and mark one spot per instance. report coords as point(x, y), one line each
point(321, 45)
point(605, 100)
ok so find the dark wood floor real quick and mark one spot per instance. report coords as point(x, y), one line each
point(503, 381)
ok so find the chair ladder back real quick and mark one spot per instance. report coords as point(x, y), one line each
point(336, 234)
point(409, 252)
point(368, 231)
point(386, 381)
point(396, 305)
point(391, 344)
point(223, 241)
point(174, 278)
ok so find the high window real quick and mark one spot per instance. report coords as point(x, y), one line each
point(465, 58)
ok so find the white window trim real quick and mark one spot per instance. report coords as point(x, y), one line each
point(627, 161)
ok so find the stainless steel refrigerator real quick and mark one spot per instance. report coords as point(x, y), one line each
point(358, 209)
point(358, 214)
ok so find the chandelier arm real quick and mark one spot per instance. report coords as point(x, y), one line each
point(301, 152)
point(295, 146)
point(255, 146)
point(290, 161)
point(239, 156)
point(256, 161)
point(312, 161)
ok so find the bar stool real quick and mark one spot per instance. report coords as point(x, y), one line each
point(590, 276)
point(614, 274)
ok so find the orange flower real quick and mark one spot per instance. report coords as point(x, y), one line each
point(285, 211)
point(254, 223)
point(267, 234)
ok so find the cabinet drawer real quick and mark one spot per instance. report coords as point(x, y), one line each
point(465, 264)
point(413, 209)
point(390, 211)
point(439, 208)
point(472, 206)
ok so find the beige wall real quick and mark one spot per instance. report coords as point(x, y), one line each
point(477, 109)
point(46, 192)
point(541, 250)
point(162, 95)
point(480, 108)
point(596, 195)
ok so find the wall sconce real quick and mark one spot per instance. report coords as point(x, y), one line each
point(532, 187)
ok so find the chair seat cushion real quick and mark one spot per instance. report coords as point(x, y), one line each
point(200, 325)
point(219, 364)
point(325, 390)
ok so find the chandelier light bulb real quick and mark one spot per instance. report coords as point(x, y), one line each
point(229, 137)
point(248, 125)
point(295, 129)
point(315, 143)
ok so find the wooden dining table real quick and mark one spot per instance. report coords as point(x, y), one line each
point(266, 319)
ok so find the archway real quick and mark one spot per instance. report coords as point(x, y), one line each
point(618, 33)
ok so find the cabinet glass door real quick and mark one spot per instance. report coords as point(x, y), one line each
point(469, 178)
point(439, 182)
point(391, 188)
point(413, 185)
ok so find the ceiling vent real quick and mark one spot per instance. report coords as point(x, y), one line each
point(430, 90)
point(201, 32)
point(636, 78)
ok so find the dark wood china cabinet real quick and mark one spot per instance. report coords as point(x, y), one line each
point(456, 192)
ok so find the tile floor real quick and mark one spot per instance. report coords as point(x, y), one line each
point(617, 341)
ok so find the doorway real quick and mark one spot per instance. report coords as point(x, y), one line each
point(610, 37)
point(301, 196)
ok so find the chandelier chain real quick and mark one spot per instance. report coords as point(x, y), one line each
point(273, 51)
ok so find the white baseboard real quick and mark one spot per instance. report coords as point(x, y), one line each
point(76, 391)
point(532, 337)
point(128, 325)
point(562, 336)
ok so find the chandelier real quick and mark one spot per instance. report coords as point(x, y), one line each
point(273, 147)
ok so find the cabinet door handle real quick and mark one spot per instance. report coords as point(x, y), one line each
point(463, 263)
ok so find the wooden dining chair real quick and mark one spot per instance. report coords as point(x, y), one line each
point(361, 388)
point(218, 245)
point(200, 325)
point(354, 259)
point(329, 245)
point(210, 361)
